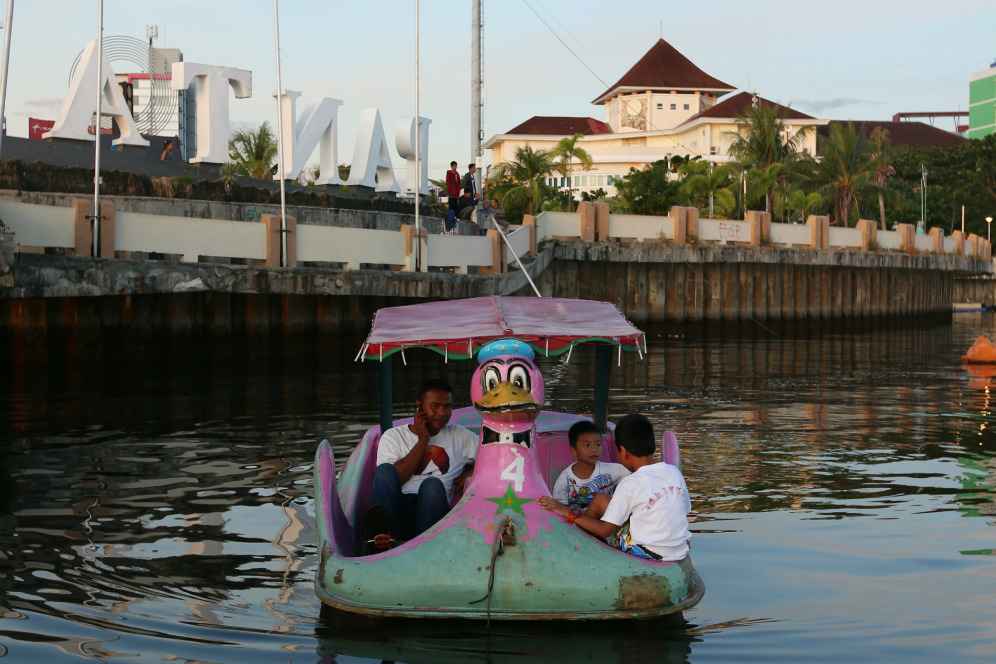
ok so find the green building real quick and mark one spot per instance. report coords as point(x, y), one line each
point(982, 104)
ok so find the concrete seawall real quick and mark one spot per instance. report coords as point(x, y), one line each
point(726, 283)
point(975, 289)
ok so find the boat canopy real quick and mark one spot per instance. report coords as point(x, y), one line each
point(457, 328)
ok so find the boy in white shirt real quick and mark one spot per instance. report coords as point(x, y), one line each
point(587, 477)
point(648, 514)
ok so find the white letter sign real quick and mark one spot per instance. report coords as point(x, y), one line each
point(405, 140)
point(211, 94)
point(80, 105)
point(371, 156)
point(301, 135)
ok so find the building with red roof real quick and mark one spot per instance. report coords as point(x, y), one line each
point(665, 105)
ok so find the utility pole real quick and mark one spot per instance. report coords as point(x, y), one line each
point(7, 25)
point(418, 137)
point(280, 136)
point(475, 87)
point(95, 247)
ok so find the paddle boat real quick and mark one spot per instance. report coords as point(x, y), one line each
point(497, 555)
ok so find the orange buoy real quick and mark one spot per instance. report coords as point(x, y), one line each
point(982, 351)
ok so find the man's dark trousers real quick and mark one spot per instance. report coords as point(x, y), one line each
point(408, 514)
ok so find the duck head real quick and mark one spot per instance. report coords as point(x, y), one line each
point(507, 389)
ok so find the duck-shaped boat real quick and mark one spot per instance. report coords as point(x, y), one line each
point(496, 554)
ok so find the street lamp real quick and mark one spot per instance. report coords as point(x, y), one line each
point(989, 229)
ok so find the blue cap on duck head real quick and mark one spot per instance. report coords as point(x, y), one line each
point(501, 347)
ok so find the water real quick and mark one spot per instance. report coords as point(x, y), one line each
point(155, 499)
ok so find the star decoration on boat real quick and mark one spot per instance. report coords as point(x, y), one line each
point(510, 501)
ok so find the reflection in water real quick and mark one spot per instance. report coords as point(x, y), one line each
point(155, 497)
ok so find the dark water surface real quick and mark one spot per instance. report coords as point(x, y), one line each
point(155, 499)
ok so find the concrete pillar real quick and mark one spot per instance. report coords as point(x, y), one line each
point(679, 224)
point(819, 231)
point(972, 245)
point(408, 235)
point(907, 238)
point(108, 218)
point(936, 240)
point(272, 223)
point(764, 221)
point(82, 237)
point(868, 230)
point(529, 222)
point(691, 224)
point(83, 228)
point(601, 221)
point(497, 252)
point(755, 220)
point(586, 217)
point(959, 242)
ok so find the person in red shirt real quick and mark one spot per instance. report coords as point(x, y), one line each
point(453, 193)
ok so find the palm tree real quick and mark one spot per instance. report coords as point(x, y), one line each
point(705, 181)
point(802, 202)
point(521, 180)
point(845, 169)
point(567, 151)
point(881, 168)
point(762, 140)
point(253, 152)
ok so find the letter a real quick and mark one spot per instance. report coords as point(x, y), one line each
point(371, 156)
point(80, 105)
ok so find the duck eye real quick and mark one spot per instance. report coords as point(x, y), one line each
point(491, 378)
point(519, 376)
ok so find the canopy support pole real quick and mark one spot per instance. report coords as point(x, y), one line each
point(386, 384)
point(603, 365)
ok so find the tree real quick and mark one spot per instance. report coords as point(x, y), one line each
point(706, 184)
point(519, 184)
point(804, 203)
point(762, 140)
point(647, 191)
point(844, 169)
point(253, 152)
point(567, 151)
point(881, 169)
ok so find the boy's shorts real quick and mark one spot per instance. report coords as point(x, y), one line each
point(624, 542)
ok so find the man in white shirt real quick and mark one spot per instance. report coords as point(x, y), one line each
point(647, 516)
point(420, 466)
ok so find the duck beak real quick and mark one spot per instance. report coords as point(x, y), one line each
point(507, 398)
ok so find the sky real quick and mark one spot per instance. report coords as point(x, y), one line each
point(845, 59)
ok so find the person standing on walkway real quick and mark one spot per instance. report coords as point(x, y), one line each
point(470, 185)
point(453, 194)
